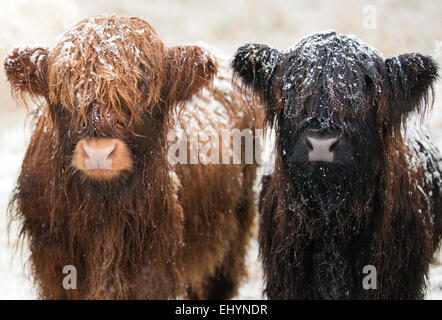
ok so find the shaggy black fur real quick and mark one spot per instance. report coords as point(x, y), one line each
point(378, 202)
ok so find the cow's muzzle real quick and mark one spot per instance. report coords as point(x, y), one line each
point(102, 158)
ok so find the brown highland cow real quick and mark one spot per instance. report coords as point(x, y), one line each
point(97, 191)
point(353, 207)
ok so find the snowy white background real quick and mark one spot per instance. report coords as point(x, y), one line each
point(401, 26)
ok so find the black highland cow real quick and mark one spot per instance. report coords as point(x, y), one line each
point(356, 180)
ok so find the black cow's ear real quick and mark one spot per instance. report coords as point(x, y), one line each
point(26, 70)
point(411, 77)
point(255, 65)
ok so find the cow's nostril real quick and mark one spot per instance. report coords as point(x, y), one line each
point(308, 145)
point(83, 150)
point(333, 146)
point(112, 153)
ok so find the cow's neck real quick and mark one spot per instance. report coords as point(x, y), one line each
point(333, 235)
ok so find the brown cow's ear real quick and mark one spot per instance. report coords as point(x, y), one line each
point(26, 70)
point(411, 77)
point(191, 68)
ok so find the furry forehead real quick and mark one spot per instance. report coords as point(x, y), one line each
point(118, 64)
point(334, 69)
point(338, 74)
point(108, 59)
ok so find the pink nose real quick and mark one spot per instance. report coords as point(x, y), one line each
point(102, 158)
point(98, 158)
point(321, 148)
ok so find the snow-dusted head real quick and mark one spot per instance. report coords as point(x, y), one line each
point(337, 104)
point(107, 83)
point(330, 95)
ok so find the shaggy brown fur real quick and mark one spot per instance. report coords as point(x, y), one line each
point(377, 204)
point(156, 231)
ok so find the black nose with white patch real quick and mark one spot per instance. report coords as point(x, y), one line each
point(321, 147)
